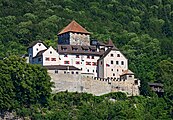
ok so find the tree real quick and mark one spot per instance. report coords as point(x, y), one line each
point(23, 84)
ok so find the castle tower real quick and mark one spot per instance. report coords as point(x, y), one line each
point(74, 34)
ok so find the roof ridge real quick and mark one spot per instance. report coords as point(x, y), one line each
point(73, 26)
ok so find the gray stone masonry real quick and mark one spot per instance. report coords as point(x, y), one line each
point(95, 86)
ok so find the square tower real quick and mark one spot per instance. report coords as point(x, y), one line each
point(74, 34)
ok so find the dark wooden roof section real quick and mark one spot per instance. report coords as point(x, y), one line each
point(61, 67)
point(40, 53)
point(34, 43)
point(74, 27)
point(78, 49)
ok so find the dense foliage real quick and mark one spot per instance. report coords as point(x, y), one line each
point(22, 84)
point(142, 29)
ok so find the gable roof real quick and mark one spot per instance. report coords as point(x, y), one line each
point(34, 43)
point(40, 53)
point(74, 27)
point(127, 72)
point(111, 44)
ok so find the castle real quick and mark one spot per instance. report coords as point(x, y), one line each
point(77, 57)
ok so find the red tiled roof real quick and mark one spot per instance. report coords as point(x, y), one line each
point(74, 27)
point(127, 72)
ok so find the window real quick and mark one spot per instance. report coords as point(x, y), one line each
point(53, 59)
point(130, 75)
point(122, 62)
point(112, 55)
point(72, 72)
point(50, 52)
point(74, 49)
point(93, 70)
point(66, 62)
point(101, 63)
point(94, 63)
point(37, 49)
point(56, 71)
point(77, 62)
point(118, 55)
point(92, 57)
point(88, 56)
point(47, 59)
point(112, 62)
point(112, 69)
point(88, 70)
point(117, 62)
point(64, 72)
point(96, 71)
point(88, 63)
point(64, 49)
point(65, 55)
point(93, 50)
point(39, 59)
point(77, 56)
point(136, 82)
point(113, 74)
point(117, 70)
point(39, 44)
point(77, 73)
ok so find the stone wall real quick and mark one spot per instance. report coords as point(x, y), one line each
point(96, 86)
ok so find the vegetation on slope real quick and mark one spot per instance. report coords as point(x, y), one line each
point(143, 30)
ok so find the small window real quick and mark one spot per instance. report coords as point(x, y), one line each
point(39, 44)
point(65, 55)
point(136, 82)
point(77, 62)
point(64, 72)
point(77, 72)
point(117, 62)
point(37, 49)
point(101, 62)
point(130, 75)
point(66, 62)
point(53, 59)
point(50, 52)
point(92, 57)
point(72, 72)
point(77, 56)
point(117, 70)
point(112, 69)
point(88, 70)
point(96, 71)
point(56, 71)
point(112, 55)
point(122, 62)
point(118, 55)
point(113, 74)
point(88, 56)
point(39, 59)
point(94, 63)
point(93, 70)
point(47, 59)
point(112, 62)
point(88, 63)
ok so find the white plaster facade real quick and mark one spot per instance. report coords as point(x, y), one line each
point(87, 63)
point(34, 49)
point(112, 65)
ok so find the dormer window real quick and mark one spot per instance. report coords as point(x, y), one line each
point(118, 55)
point(39, 44)
point(74, 49)
point(64, 49)
point(65, 55)
point(77, 56)
point(112, 55)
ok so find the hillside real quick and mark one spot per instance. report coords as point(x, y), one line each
point(141, 29)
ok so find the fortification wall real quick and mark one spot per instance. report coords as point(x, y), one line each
point(79, 83)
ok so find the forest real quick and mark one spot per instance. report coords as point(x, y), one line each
point(141, 29)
